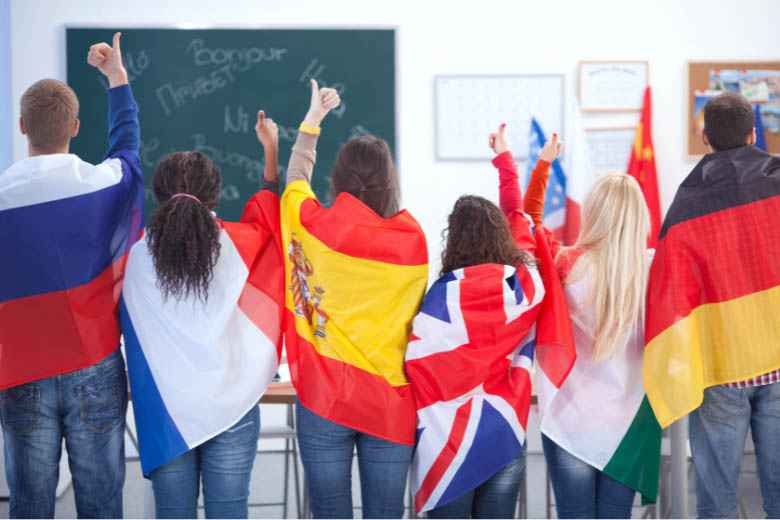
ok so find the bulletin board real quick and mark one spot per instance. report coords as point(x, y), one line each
point(610, 148)
point(708, 77)
point(469, 108)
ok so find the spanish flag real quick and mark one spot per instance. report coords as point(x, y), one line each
point(713, 299)
point(354, 282)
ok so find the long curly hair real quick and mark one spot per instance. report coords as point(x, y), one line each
point(478, 233)
point(182, 234)
point(364, 168)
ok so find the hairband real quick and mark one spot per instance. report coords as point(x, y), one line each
point(193, 197)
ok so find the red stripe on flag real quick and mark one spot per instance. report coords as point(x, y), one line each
point(571, 230)
point(352, 228)
point(62, 331)
point(264, 312)
point(445, 458)
point(679, 282)
point(348, 395)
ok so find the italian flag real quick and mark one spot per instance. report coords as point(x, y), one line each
point(600, 413)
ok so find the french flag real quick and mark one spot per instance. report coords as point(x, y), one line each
point(65, 228)
point(469, 361)
point(197, 367)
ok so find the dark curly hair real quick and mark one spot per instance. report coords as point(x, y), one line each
point(183, 235)
point(478, 233)
point(364, 168)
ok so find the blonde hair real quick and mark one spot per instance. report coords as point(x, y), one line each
point(49, 110)
point(615, 226)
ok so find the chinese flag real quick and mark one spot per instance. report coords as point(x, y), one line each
point(642, 168)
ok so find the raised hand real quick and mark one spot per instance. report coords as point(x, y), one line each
point(551, 149)
point(267, 131)
point(108, 60)
point(323, 100)
point(497, 141)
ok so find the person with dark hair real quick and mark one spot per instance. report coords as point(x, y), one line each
point(65, 228)
point(355, 274)
point(201, 310)
point(713, 326)
point(469, 358)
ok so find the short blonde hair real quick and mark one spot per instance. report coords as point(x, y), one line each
point(49, 110)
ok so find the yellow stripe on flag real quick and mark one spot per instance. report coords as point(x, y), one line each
point(353, 310)
point(717, 343)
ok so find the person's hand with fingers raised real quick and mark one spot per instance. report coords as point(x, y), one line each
point(323, 100)
point(108, 60)
point(551, 149)
point(268, 135)
point(497, 140)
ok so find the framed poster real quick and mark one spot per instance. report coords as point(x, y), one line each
point(469, 108)
point(610, 148)
point(612, 86)
point(759, 82)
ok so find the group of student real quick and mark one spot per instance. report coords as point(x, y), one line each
point(182, 272)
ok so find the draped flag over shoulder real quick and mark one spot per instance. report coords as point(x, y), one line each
point(354, 282)
point(65, 228)
point(601, 414)
point(714, 289)
point(641, 166)
point(470, 374)
point(196, 367)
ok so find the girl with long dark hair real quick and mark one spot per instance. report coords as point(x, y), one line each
point(201, 320)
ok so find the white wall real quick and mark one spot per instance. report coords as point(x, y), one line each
point(455, 37)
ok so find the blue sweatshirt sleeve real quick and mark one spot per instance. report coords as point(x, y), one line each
point(123, 131)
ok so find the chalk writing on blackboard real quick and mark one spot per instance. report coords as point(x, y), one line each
point(240, 59)
point(135, 64)
point(239, 121)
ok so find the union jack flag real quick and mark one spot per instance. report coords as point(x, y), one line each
point(468, 362)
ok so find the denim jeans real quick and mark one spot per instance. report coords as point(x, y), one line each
point(225, 462)
point(718, 431)
point(87, 407)
point(494, 498)
point(326, 451)
point(582, 491)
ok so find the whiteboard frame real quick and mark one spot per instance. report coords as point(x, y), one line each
point(436, 77)
point(583, 108)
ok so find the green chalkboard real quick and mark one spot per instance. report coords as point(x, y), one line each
point(200, 89)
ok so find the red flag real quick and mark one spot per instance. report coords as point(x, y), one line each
point(642, 168)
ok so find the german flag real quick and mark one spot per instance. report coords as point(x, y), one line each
point(713, 299)
point(354, 282)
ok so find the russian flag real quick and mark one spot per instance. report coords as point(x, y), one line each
point(197, 367)
point(66, 226)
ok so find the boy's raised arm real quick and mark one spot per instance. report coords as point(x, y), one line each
point(123, 130)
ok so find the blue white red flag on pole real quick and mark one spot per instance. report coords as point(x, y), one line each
point(468, 361)
point(554, 216)
point(197, 367)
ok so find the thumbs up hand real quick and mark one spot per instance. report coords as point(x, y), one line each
point(323, 100)
point(108, 59)
point(498, 141)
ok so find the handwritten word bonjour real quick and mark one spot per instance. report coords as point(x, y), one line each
point(237, 57)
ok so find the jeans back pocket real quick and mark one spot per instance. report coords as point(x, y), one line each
point(100, 406)
point(21, 408)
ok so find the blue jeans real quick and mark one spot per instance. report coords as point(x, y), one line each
point(326, 451)
point(718, 431)
point(582, 491)
point(225, 462)
point(87, 407)
point(494, 498)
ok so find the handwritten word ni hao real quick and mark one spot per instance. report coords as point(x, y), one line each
point(238, 122)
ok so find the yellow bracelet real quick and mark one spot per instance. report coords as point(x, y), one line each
point(310, 129)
